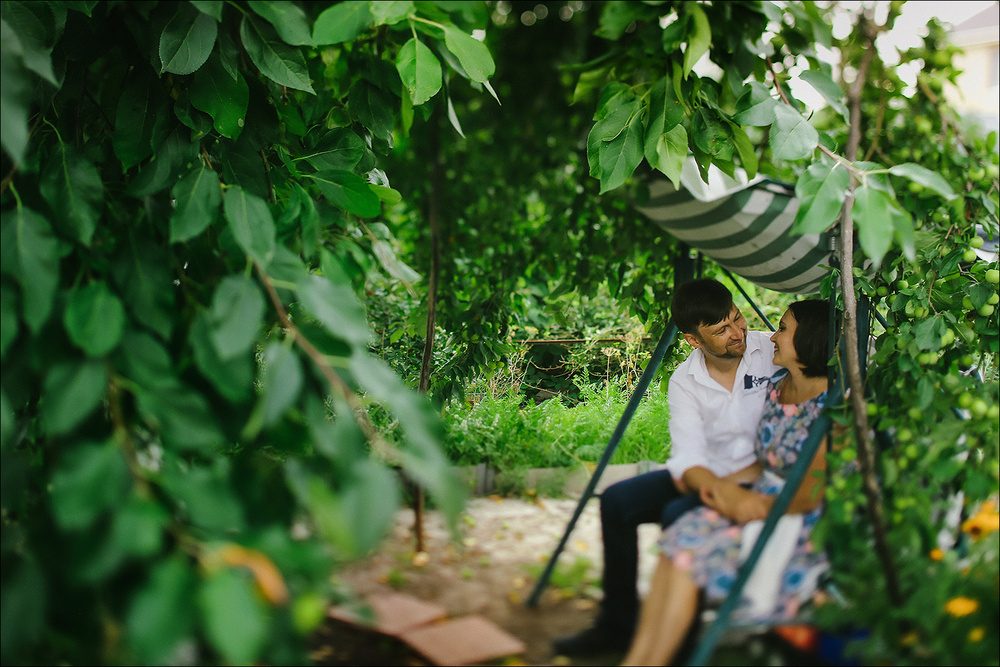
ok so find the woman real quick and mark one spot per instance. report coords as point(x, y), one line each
point(701, 551)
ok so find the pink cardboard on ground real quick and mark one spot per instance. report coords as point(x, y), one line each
point(394, 613)
point(463, 641)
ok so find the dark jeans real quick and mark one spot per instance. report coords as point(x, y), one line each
point(649, 498)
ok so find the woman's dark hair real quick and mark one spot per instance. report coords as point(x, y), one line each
point(812, 319)
point(702, 301)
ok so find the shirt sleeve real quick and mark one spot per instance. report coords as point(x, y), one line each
point(687, 430)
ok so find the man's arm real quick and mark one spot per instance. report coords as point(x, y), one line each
point(687, 434)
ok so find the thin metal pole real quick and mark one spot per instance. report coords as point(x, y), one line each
point(644, 381)
point(753, 305)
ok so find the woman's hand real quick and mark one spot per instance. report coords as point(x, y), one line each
point(737, 504)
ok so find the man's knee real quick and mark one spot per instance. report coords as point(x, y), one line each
point(614, 500)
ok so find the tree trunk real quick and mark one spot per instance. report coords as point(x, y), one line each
point(434, 218)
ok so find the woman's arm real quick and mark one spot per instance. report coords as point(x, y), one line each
point(742, 505)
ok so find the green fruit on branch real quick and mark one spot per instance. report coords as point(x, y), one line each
point(970, 256)
point(993, 276)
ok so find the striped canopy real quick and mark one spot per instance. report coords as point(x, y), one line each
point(744, 226)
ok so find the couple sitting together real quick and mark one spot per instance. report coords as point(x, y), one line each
point(740, 410)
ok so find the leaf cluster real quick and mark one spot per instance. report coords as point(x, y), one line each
point(186, 212)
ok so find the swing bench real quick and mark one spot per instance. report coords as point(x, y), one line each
point(745, 227)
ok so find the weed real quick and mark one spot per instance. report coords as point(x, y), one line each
point(571, 580)
point(396, 579)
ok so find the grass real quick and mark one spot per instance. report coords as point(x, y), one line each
point(499, 430)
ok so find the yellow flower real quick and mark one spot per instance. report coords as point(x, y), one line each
point(976, 634)
point(910, 638)
point(985, 521)
point(961, 606)
point(936, 554)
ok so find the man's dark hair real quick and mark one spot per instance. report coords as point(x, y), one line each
point(812, 328)
point(700, 302)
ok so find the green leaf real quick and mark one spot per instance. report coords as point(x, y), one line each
point(387, 195)
point(221, 96)
point(927, 333)
point(699, 38)
point(340, 149)
point(349, 192)
point(391, 12)
point(902, 223)
point(748, 156)
point(290, 22)
point(211, 8)
point(229, 55)
point(337, 308)
point(16, 94)
point(184, 418)
point(281, 382)
point(792, 137)
point(187, 40)
point(373, 107)
point(235, 315)
point(72, 391)
point(35, 26)
point(276, 60)
point(197, 199)
point(925, 177)
point(72, 186)
point(139, 527)
point(134, 121)
point(821, 190)
point(236, 621)
point(37, 265)
point(23, 598)
point(615, 18)
point(144, 280)
point(620, 156)
point(710, 134)
point(664, 113)
point(422, 457)
point(370, 502)
point(171, 158)
point(8, 317)
point(94, 319)
point(251, 223)
point(473, 54)
point(159, 618)
point(419, 70)
point(825, 86)
point(89, 479)
point(872, 213)
point(231, 377)
point(453, 118)
point(671, 152)
point(144, 360)
point(755, 107)
point(342, 22)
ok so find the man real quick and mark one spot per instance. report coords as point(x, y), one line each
point(716, 397)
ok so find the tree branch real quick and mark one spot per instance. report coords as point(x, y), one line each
point(378, 443)
point(866, 454)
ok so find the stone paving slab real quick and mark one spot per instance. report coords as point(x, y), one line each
point(463, 641)
point(394, 613)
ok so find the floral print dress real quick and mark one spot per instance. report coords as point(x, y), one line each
point(707, 545)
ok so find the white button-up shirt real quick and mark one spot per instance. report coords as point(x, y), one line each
point(711, 426)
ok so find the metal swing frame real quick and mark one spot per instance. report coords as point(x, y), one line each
point(685, 269)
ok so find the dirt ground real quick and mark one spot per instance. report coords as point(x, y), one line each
point(491, 571)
